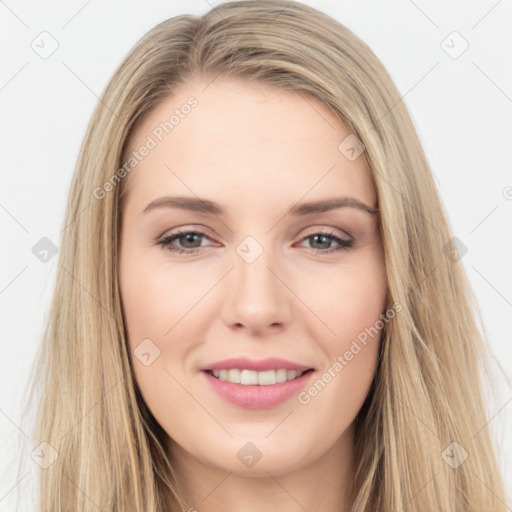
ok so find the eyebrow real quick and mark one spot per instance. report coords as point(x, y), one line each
point(206, 206)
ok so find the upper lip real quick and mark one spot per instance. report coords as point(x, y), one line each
point(261, 365)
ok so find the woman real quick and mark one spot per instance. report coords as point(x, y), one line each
point(257, 369)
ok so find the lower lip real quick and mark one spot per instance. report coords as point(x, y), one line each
point(257, 397)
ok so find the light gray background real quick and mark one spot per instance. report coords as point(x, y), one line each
point(462, 108)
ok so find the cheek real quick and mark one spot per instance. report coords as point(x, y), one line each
point(346, 298)
point(155, 299)
point(153, 305)
point(164, 316)
point(148, 311)
point(350, 310)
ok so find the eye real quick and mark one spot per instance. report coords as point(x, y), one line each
point(325, 238)
point(188, 238)
point(191, 242)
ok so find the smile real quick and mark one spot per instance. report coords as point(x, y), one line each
point(251, 377)
point(256, 390)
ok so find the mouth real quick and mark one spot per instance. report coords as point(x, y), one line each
point(250, 389)
point(247, 377)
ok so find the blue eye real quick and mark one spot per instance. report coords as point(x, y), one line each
point(189, 240)
point(323, 238)
point(186, 237)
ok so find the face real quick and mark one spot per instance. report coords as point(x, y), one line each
point(250, 273)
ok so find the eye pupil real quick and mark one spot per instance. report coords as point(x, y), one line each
point(189, 238)
point(325, 243)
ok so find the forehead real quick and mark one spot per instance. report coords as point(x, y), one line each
point(248, 138)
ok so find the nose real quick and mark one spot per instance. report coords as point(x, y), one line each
point(257, 300)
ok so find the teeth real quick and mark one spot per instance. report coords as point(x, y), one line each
point(234, 376)
point(267, 377)
point(281, 375)
point(290, 374)
point(248, 377)
point(251, 378)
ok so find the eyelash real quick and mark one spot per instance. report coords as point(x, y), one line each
point(344, 245)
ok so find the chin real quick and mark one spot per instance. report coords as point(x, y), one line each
point(260, 457)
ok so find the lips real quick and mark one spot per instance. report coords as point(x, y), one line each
point(250, 393)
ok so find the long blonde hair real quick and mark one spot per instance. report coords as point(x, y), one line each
point(428, 391)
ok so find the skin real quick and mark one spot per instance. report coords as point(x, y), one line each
point(257, 151)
